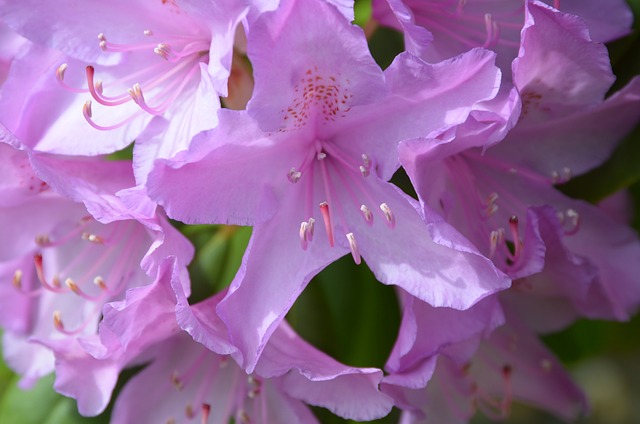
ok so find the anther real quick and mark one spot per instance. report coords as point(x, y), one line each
point(175, 380)
point(57, 320)
point(293, 175)
point(93, 238)
point(303, 235)
point(243, 417)
point(573, 219)
point(86, 110)
point(310, 228)
point(72, 286)
point(321, 155)
point(496, 238)
point(17, 279)
point(60, 71)
point(561, 177)
point(367, 214)
point(42, 240)
point(255, 387)
point(148, 32)
point(98, 281)
point(188, 411)
point(162, 50)
point(388, 215)
point(136, 94)
point(326, 216)
point(365, 169)
point(354, 248)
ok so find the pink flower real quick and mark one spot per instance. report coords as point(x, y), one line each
point(562, 132)
point(307, 165)
point(439, 29)
point(185, 380)
point(66, 263)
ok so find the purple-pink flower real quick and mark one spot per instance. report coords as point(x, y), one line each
point(307, 165)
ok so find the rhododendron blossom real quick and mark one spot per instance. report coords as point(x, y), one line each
point(416, 223)
point(322, 134)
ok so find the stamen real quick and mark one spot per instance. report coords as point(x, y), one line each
point(388, 215)
point(74, 288)
point(255, 387)
point(243, 417)
point(367, 215)
point(86, 110)
point(489, 25)
point(293, 175)
point(303, 235)
point(95, 88)
point(321, 155)
point(57, 321)
point(60, 71)
point(326, 216)
point(496, 238)
point(310, 228)
point(163, 50)
point(188, 411)
point(366, 168)
point(573, 219)
point(561, 177)
point(106, 45)
point(175, 380)
point(148, 32)
point(93, 238)
point(17, 279)
point(98, 281)
point(491, 207)
point(55, 286)
point(354, 248)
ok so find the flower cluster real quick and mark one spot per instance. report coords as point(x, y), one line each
point(273, 114)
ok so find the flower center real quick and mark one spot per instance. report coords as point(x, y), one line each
point(474, 175)
point(209, 380)
point(90, 263)
point(342, 189)
point(153, 84)
point(471, 25)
